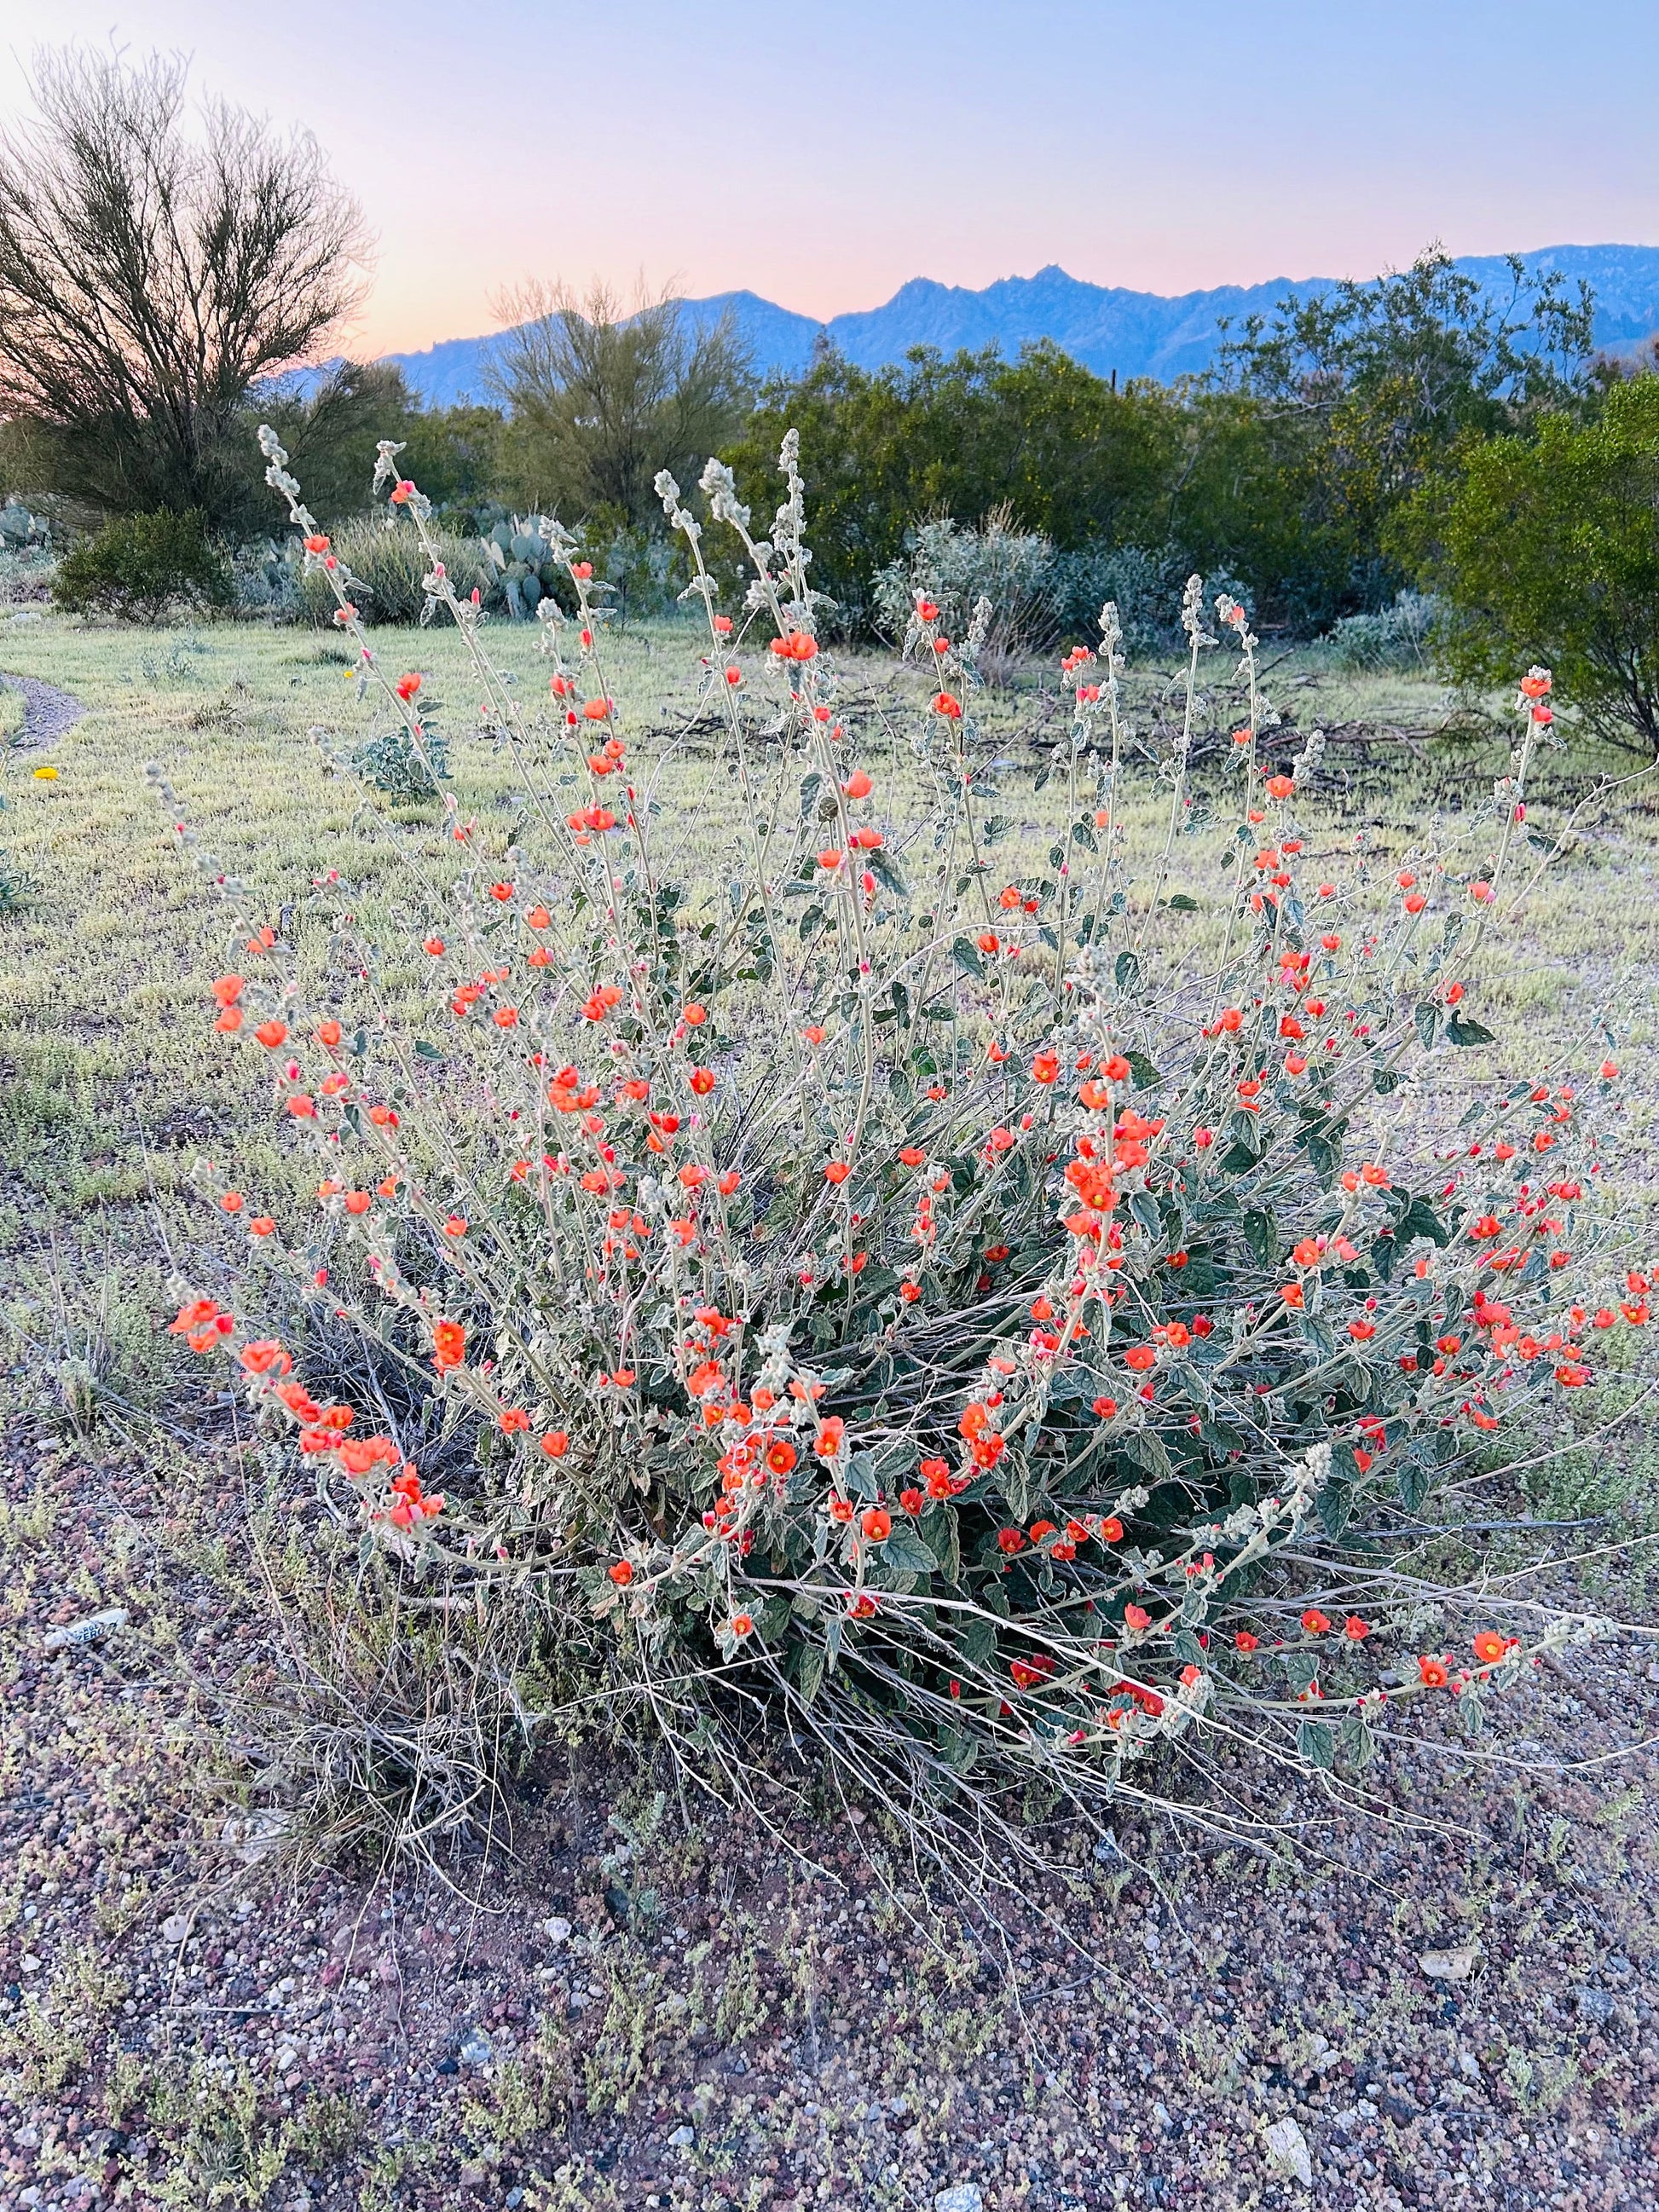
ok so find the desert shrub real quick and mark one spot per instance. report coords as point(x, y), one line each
point(139, 566)
point(1143, 584)
point(391, 763)
point(960, 566)
point(962, 1307)
point(1549, 545)
point(1397, 637)
point(386, 571)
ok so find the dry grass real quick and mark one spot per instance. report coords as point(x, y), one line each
point(112, 1081)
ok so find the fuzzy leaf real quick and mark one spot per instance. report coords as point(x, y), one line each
point(1459, 1032)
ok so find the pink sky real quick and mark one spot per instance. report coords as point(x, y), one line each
point(822, 154)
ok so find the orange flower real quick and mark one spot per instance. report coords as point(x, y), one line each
point(448, 1345)
point(876, 1524)
point(1489, 1647)
point(1314, 1622)
point(265, 1357)
point(622, 1574)
point(1433, 1673)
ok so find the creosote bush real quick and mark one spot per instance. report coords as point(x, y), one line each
point(138, 565)
point(969, 1309)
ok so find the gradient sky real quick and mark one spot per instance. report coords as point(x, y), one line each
point(821, 153)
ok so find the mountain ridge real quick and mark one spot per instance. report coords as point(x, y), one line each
point(1109, 328)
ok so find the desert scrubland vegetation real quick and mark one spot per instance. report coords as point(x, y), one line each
point(829, 1270)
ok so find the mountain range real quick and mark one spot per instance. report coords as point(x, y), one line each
point(1106, 328)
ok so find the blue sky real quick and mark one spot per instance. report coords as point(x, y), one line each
point(821, 154)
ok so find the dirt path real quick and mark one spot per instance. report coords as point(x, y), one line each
point(48, 712)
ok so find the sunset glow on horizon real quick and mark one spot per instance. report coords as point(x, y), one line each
point(822, 160)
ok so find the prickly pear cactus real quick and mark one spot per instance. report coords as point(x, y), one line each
point(521, 552)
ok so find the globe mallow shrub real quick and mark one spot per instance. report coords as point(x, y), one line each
point(970, 1308)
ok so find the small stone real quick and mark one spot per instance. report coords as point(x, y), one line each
point(1453, 1966)
point(1469, 2065)
point(286, 2058)
point(556, 1930)
point(683, 2136)
point(1595, 2005)
point(175, 1928)
point(1287, 2149)
point(255, 1835)
point(30, 1964)
point(475, 2048)
point(473, 2176)
point(960, 2197)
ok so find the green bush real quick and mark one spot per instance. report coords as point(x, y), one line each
point(387, 571)
point(1547, 549)
point(138, 565)
point(1399, 636)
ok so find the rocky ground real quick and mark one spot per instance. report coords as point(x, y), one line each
point(1455, 2003)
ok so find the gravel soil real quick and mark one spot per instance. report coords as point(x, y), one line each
point(733, 2018)
point(48, 712)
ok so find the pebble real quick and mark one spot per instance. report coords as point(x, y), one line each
point(475, 2048)
point(683, 2136)
point(1453, 1966)
point(175, 1928)
point(961, 2197)
point(556, 1930)
point(254, 1836)
point(1287, 2149)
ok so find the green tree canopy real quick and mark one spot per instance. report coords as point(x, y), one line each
point(1320, 421)
point(1057, 448)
